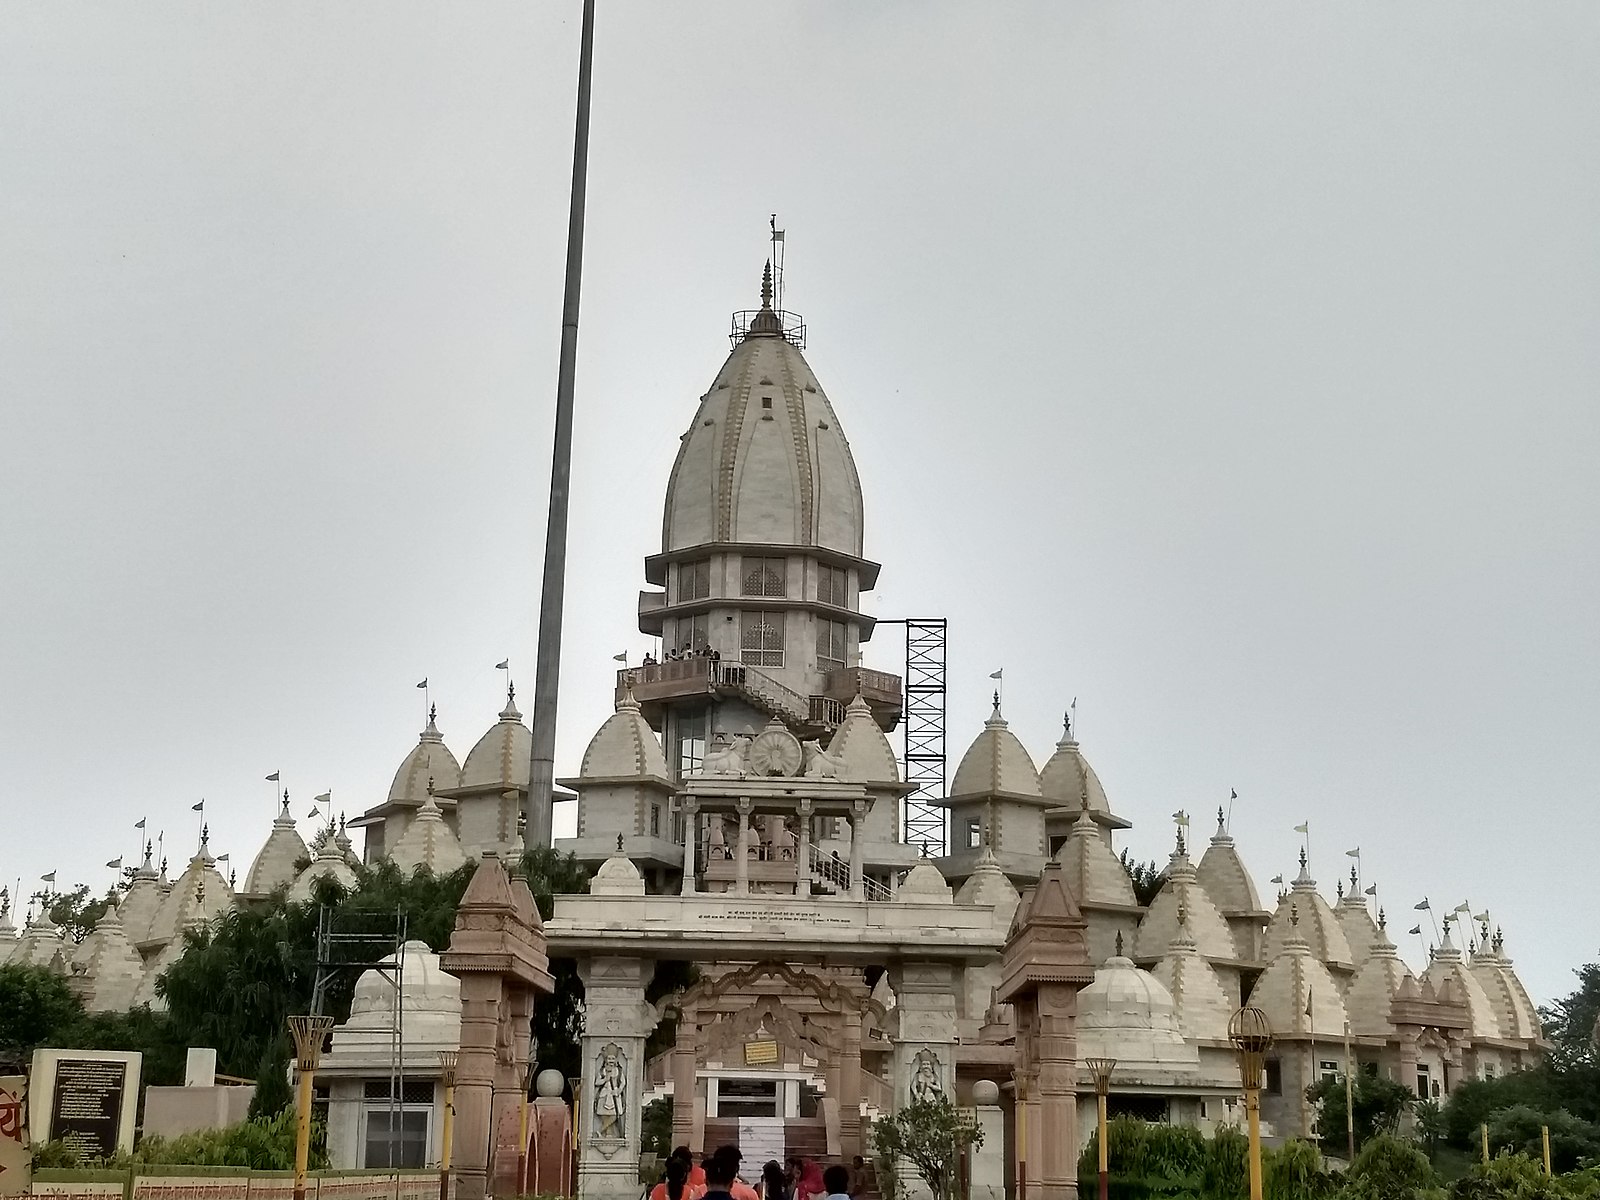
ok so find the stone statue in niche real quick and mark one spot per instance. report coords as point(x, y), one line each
point(927, 1077)
point(820, 764)
point(610, 1092)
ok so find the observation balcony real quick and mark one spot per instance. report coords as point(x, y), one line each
point(658, 685)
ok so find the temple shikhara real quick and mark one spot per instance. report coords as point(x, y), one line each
point(744, 809)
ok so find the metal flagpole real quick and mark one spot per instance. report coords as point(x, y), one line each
point(547, 674)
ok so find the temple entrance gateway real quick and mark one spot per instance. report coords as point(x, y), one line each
point(769, 1054)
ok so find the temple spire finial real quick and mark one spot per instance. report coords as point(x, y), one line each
point(766, 285)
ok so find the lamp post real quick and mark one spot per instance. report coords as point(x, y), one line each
point(309, 1034)
point(1101, 1069)
point(1251, 1035)
point(447, 1080)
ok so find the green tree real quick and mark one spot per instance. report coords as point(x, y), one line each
point(1379, 1104)
point(273, 1093)
point(1147, 878)
point(1430, 1126)
point(931, 1135)
point(76, 912)
point(1573, 1024)
point(37, 1008)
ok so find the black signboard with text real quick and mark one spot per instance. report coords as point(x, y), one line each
point(86, 1107)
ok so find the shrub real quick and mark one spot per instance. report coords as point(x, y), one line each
point(1388, 1169)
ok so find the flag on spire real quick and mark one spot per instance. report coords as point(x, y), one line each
point(997, 674)
point(48, 878)
point(503, 665)
point(1306, 828)
point(116, 863)
point(424, 682)
point(273, 778)
point(139, 824)
point(201, 807)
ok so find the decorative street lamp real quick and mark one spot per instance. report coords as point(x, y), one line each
point(1101, 1069)
point(1251, 1035)
point(309, 1034)
point(1022, 1136)
point(447, 1080)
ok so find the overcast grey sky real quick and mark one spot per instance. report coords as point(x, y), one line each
point(1230, 367)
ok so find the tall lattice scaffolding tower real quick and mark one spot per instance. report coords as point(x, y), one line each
point(923, 757)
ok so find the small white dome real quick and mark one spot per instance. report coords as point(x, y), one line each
point(503, 754)
point(1124, 997)
point(996, 764)
point(428, 990)
point(617, 876)
point(429, 759)
point(925, 885)
point(986, 1092)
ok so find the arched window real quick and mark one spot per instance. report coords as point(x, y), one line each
point(761, 639)
point(764, 577)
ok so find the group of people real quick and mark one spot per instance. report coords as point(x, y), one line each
point(717, 1177)
point(683, 653)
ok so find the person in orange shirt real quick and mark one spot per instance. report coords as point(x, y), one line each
point(697, 1173)
point(677, 1185)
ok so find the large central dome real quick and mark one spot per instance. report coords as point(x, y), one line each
point(764, 461)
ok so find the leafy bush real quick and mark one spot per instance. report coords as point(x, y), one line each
point(1387, 1168)
point(1519, 1130)
point(931, 1135)
point(1294, 1171)
point(1518, 1177)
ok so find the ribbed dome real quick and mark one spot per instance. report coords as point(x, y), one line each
point(625, 747)
point(989, 885)
point(1449, 966)
point(1513, 1008)
point(1204, 922)
point(1069, 780)
point(503, 754)
point(1361, 932)
point(996, 764)
point(1318, 926)
point(113, 969)
point(860, 744)
point(1094, 874)
point(428, 843)
point(429, 759)
point(764, 460)
point(275, 862)
point(1203, 1006)
point(328, 864)
point(1223, 874)
point(1293, 982)
point(200, 894)
point(1373, 988)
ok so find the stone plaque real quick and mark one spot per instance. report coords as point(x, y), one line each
point(85, 1098)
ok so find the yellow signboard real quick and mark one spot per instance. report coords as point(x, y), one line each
point(761, 1054)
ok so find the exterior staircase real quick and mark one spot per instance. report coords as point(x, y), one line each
point(832, 875)
point(806, 716)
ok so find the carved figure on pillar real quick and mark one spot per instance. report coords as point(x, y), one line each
point(927, 1083)
point(610, 1092)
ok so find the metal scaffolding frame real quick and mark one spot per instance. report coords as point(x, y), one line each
point(922, 759)
point(361, 934)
